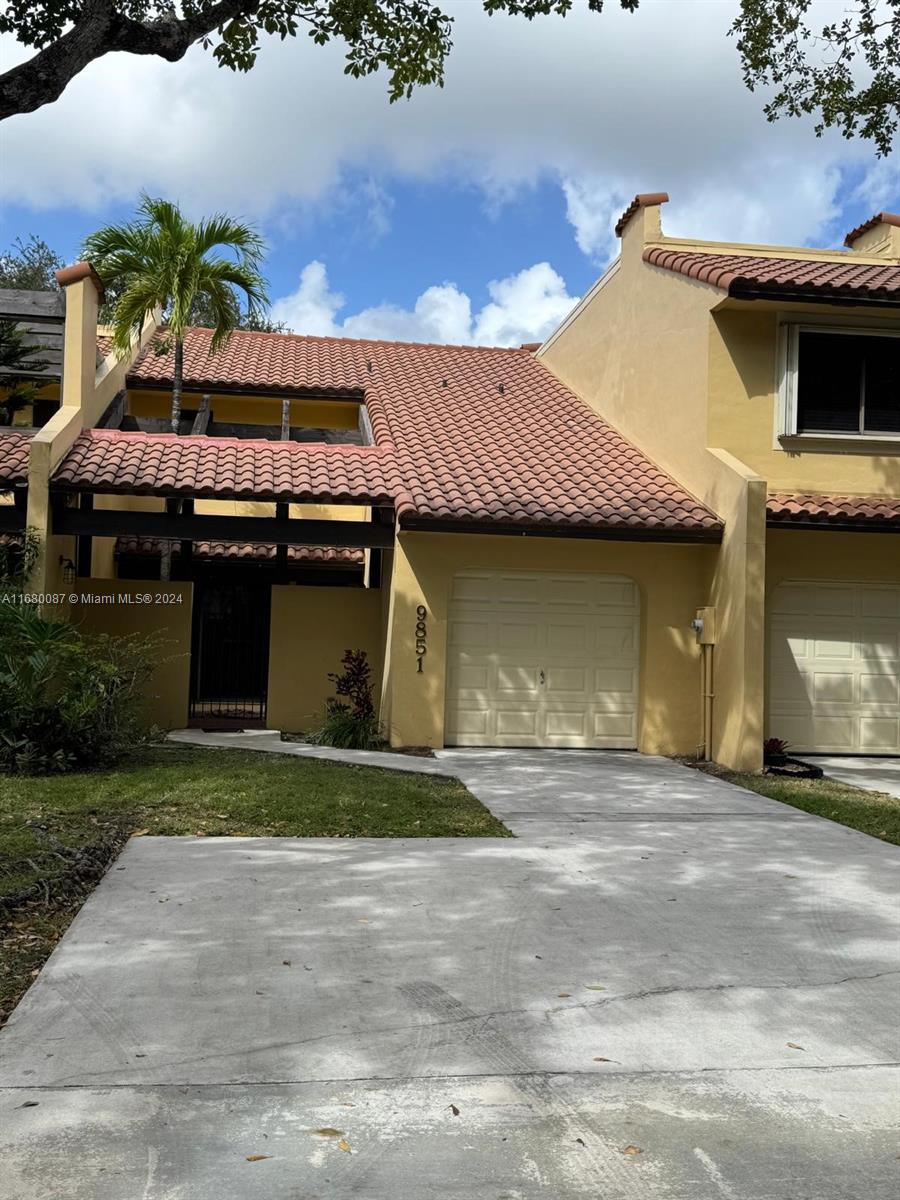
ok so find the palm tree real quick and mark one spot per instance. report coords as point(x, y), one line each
point(161, 260)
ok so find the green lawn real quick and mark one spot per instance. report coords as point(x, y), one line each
point(59, 833)
point(871, 812)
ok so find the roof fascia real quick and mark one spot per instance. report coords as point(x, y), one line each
point(749, 250)
point(596, 532)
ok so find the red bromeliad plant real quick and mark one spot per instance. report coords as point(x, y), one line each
point(350, 719)
point(354, 682)
point(775, 748)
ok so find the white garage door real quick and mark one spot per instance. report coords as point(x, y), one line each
point(834, 667)
point(540, 659)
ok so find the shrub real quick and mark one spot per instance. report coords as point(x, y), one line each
point(67, 699)
point(352, 725)
point(774, 747)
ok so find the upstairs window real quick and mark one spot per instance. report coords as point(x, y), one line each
point(842, 383)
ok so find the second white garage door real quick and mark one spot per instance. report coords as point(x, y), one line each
point(834, 667)
point(541, 659)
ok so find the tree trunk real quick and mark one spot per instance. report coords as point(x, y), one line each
point(165, 557)
point(177, 383)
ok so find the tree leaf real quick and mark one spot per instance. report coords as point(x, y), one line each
point(632, 1150)
point(257, 1157)
point(344, 1145)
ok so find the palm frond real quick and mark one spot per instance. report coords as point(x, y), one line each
point(221, 230)
point(161, 259)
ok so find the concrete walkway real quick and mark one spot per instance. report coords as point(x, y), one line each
point(873, 774)
point(664, 988)
point(270, 742)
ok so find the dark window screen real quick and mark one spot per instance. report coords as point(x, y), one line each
point(848, 384)
point(882, 385)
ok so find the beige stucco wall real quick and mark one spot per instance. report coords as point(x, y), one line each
point(311, 628)
point(825, 554)
point(251, 410)
point(169, 624)
point(743, 382)
point(673, 581)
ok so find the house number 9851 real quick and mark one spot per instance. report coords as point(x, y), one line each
point(421, 636)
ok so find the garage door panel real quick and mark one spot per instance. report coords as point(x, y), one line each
point(615, 726)
point(511, 677)
point(470, 634)
point(567, 594)
point(615, 680)
point(517, 722)
point(516, 635)
point(551, 659)
point(829, 687)
point(567, 679)
point(834, 667)
point(880, 644)
point(879, 689)
point(834, 601)
point(880, 602)
point(837, 732)
point(567, 638)
point(879, 735)
point(571, 723)
point(470, 720)
point(832, 646)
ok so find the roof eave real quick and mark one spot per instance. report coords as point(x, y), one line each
point(686, 534)
point(745, 291)
point(833, 524)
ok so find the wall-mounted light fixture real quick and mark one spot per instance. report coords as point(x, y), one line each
point(68, 570)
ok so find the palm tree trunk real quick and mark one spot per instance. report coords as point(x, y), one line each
point(165, 557)
point(177, 377)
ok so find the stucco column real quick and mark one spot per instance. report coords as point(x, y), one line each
point(415, 697)
point(738, 593)
point(79, 368)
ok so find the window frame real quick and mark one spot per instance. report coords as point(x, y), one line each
point(788, 372)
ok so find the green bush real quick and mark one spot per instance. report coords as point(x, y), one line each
point(352, 725)
point(67, 699)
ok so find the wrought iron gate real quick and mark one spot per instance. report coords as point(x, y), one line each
point(229, 654)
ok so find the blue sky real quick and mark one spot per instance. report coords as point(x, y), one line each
point(436, 233)
point(476, 212)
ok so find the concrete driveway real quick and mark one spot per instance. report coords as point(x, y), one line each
point(665, 988)
point(874, 774)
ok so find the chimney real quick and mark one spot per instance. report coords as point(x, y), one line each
point(642, 216)
point(880, 236)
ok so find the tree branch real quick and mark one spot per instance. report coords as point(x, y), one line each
point(100, 30)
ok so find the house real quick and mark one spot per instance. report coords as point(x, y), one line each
point(672, 527)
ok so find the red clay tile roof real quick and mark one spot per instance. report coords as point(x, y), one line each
point(641, 200)
point(882, 218)
point(161, 464)
point(104, 344)
point(788, 508)
point(740, 274)
point(339, 556)
point(462, 434)
point(14, 449)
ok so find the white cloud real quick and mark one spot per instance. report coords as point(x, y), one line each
point(313, 306)
point(606, 104)
point(523, 308)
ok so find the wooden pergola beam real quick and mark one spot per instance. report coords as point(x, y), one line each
point(202, 527)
